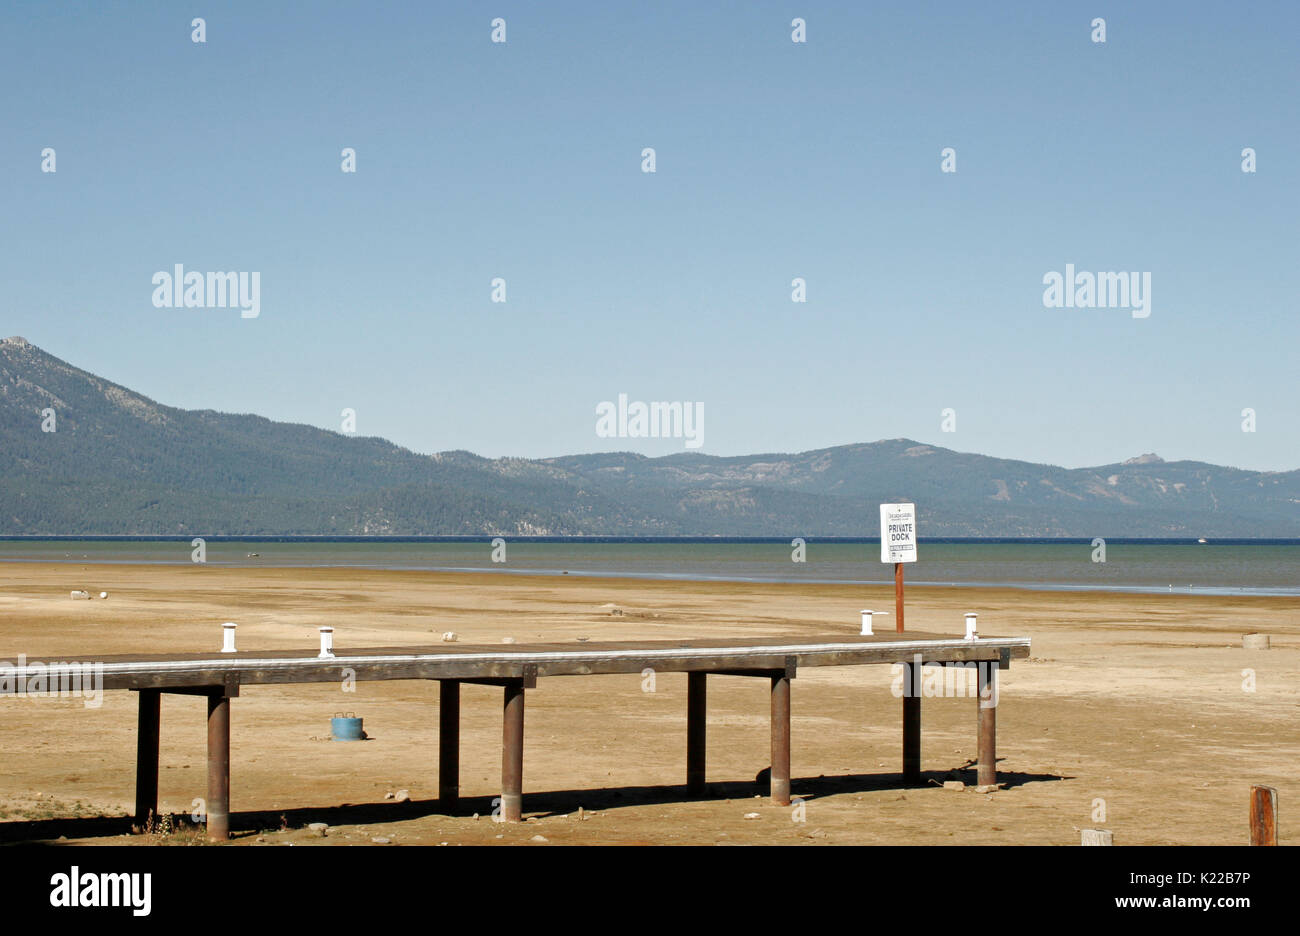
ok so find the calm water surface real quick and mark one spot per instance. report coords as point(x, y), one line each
point(1258, 568)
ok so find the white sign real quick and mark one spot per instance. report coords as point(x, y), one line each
point(897, 532)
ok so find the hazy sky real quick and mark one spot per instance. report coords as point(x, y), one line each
point(774, 160)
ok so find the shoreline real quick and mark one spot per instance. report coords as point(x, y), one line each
point(1193, 591)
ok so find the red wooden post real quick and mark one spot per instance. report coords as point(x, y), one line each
point(898, 596)
point(1263, 815)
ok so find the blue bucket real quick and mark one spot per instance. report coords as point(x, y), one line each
point(346, 728)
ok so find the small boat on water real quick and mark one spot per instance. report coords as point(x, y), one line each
point(1202, 541)
point(258, 555)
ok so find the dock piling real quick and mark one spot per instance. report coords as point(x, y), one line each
point(781, 739)
point(696, 731)
point(146, 756)
point(987, 769)
point(512, 752)
point(912, 723)
point(449, 742)
point(218, 805)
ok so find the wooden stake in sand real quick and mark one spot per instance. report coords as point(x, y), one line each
point(1263, 815)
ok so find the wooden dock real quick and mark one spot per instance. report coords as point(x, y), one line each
point(516, 668)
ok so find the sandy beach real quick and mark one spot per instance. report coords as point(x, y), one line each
point(1140, 705)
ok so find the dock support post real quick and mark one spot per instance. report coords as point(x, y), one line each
point(781, 739)
point(218, 805)
point(987, 770)
point(512, 752)
point(449, 742)
point(912, 723)
point(146, 757)
point(696, 731)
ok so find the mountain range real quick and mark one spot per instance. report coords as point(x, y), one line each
point(117, 462)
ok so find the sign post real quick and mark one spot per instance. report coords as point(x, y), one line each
point(898, 545)
point(898, 597)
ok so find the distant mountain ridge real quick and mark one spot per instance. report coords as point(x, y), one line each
point(120, 463)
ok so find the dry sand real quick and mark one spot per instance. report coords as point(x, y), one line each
point(1133, 704)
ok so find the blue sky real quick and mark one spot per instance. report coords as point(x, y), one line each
point(774, 160)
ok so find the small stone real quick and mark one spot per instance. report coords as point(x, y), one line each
point(319, 828)
point(261, 838)
point(752, 815)
point(953, 785)
point(380, 840)
point(450, 637)
point(388, 795)
point(539, 838)
point(402, 796)
point(988, 788)
point(507, 640)
point(476, 817)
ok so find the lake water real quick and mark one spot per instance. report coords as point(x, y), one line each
point(1269, 567)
